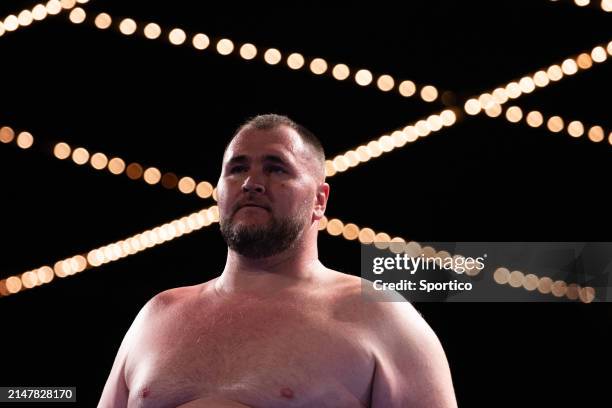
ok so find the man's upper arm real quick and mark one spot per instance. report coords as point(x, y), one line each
point(411, 367)
point(116, 392)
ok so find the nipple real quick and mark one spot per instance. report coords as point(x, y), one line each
point(286, 393)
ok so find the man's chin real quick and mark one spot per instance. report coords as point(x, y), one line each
point(250, 223)
point(250, 227)
point(257, 237)
point(251, 215)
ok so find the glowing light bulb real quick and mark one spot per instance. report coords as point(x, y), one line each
point(225, 46)
point(295, 61)
point(318, 66)
point(200, 41)
point(127, 26)
point(103, 21)
point(341, 72)
point(152, 31)
point(177, 36)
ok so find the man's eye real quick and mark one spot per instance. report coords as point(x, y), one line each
point(276, 169)
point(237, 169)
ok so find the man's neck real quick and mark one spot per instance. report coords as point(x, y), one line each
point(296, 266)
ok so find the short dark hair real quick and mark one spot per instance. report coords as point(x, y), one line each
point(272, 121)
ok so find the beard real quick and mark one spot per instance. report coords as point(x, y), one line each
point(262, 241)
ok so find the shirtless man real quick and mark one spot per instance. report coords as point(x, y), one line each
point(276, 328)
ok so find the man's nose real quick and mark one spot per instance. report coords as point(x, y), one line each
point(252, 185)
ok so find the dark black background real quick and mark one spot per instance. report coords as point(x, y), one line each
point(174, 108)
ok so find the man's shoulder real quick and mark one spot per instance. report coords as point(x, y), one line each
point(354, 295)
point(392, 321)
point(176, 297)
point(356, 287)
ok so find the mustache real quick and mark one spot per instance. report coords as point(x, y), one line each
point(250, 203)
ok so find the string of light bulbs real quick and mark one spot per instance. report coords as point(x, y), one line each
point(389, 142)
point(502, 276)
point(554, 124)
point(335, 227)
point(204, 189)
point(342, 164)
point(605, 5)
point(108, 253)
point(114, 165)
point(195, 221)
point(272, 56)
point(488, 102)
point(39, 12)
point(492, 101)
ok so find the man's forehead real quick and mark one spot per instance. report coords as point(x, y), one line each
point(281, 141)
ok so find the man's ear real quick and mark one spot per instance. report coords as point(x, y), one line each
point(321, 197)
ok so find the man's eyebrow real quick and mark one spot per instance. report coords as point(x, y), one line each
point(267, 158)
point(238, 159)
point(275, 159)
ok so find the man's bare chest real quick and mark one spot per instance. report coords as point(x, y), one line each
point(256, 353)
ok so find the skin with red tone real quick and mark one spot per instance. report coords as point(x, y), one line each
point(278, 331)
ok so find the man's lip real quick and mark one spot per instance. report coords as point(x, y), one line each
point(253, 205)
